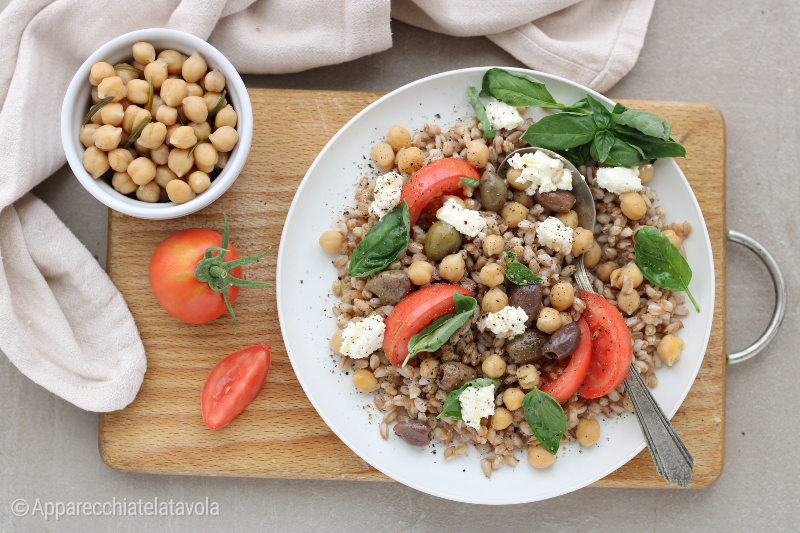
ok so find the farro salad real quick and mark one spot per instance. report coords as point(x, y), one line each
point(458, 306)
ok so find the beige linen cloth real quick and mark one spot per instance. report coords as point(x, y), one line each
point(62, 321)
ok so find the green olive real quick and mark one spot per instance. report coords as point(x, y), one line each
point(493, 191)
point(442, 240)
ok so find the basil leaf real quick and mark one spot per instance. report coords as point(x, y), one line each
point(451, 408)
point(519, 274)
point(661, 262)
point(434, 336)
point(619, 109)
point(667, 130)
point(642, 121)
point(480, 111)
point(470, 182)
point(602, 117)
point(561, 131)
point(517, 89)
point(382, 243)
point(578, 155)
point(510, 256)
point(601, 146)
point(623, 154)
point(581, 107)
point(546, 419)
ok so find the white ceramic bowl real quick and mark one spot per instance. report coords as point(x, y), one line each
point(77, 103)
point(305, 275)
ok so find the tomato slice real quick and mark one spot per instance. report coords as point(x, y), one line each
point(441, 177)
point(612, 349)
point(413, 314)
point(233, 384)
point(563, 380)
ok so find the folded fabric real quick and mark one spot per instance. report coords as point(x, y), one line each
point(62, 322)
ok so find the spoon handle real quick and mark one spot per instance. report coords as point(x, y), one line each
point(671, 457)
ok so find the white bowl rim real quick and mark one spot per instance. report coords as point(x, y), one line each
point(160, 211)
point(357, 449)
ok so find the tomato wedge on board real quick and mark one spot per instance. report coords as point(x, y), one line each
point(612, 349)
point(233, 384)
point(566, 377)
point(439, 178)
point(413, 314)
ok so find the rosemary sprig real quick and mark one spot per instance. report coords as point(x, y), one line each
point(198, 143)
point(136, 132)
point(150, 96)
point(123, 66)
point(95, 108)
point(219, 103)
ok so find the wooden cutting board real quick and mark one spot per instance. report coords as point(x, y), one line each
point(280, 434)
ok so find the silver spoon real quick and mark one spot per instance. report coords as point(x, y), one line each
point(672, 459)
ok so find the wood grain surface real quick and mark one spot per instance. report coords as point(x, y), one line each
point(280, 434)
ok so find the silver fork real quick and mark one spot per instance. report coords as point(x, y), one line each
point(671, 457)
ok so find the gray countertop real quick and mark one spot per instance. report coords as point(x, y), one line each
point(739, 55)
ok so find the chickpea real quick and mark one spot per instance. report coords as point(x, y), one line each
point(194, 68)
point(399, 138)
point(515, 179)
point(124, 74)
point(170, 131)
point(460, 201)
point(410, 160)
point(87, 132)
point(582, 240)
point(202, 130)
point(164, 175)
point(538, 457)
point(212, 99)
point(142, 170)
point(215, 81)
point(549, 320)
point(133, 116)
point(143, 52)
point(149, 192)
point(514, 213)
point(138, 92)
point(99, 72)
point(632, 205)
point(136, 64)
point(152, 136)
point(673, 237)
point(670, 348)
point(97, 118)
point(156, 70)
point(568, 219)
point(528, 376)
point(364, 380)
point(193, 89)
point(494, 366)
point(420, 272)
point(512, 398)
point(111, 114)
point(183, 137)
point(107, 137)
point(429, 368)
point(123, 183)
point(494, 300)
point(95, 161)
point(199, 181)
point(383, 156)
point(222, 160)
point(633, 273)
point(604, 271)
point(167, 115)
point(179, 163)
point(524, 198)
point(112, 86)
point(565, 317)
point(124, 103)
point(477, 154)
point(174, 60)
point(141, 150)
point(493, 244)
point(452, 268)
point(227, 117)
point(173, 92)
point(336, 342)
point(95, 98)
point(195, 109)
point(628, 303)
point(492, 275)
point(646, 172)
point(562, 295)
point(224, 139)
point(160, 154)
point(501, 419)
point(119, 159)
point(179, 191)
point(587, 432)
point(592, 256)
point(205, 155)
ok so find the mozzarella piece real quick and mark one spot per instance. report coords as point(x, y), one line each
point(507, 322)
point(362, 339)
point(544, 173)
point(503, 116)
point(476, 403)
point(387, 194)
point(618, 180)
point(555, 235)
point(466, 221)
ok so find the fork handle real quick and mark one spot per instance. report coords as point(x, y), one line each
point(670, 455)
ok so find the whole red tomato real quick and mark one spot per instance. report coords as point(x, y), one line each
point(192, 294)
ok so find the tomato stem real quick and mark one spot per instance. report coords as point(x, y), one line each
point(213, 270)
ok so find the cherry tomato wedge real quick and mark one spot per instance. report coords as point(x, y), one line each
point(563, 380)
point(612, 349)
point(233, 384)
point(413, 314)
point(439, 178)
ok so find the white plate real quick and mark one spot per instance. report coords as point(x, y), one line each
point(305, 275)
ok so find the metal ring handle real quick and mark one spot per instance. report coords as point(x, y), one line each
point(780, 296)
